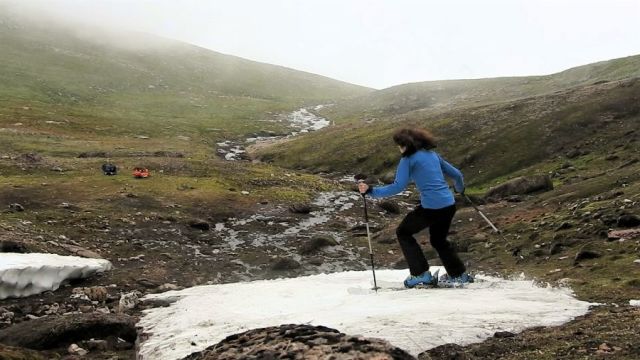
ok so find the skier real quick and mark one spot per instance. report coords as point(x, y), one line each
point(437, 206)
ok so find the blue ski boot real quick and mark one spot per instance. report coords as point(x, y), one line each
point(455, 281)
point(423, 279)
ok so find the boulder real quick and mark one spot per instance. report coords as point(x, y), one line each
point(300, 208)
point(317, 243)
point(520, 186)
point(299, 342)
point(628, 220)
point(285, 264)
point(390, 206)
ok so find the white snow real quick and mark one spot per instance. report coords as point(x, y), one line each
point(28, 274)
point(634, 302)
point(414, 320)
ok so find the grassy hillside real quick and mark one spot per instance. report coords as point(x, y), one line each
point(445, 95)
point(488, 141)
point(69, 81)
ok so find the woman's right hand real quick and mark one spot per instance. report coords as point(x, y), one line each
point(363, 187)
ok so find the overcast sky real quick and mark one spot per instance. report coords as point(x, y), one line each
point(380, 43)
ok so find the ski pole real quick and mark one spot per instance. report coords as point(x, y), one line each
point(515, 250)
point(366, 221)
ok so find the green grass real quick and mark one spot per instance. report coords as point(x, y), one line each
point(489, 143)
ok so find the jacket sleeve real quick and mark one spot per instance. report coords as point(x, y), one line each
point(400, 183)
point(454, 173)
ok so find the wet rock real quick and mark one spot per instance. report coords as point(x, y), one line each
point(503, 334)
point(13, 247)
point(299, 342)
point(520, 186)
point(300, 208)
point(285, 264)
point(317, 261)
point(74, 349)
point(15, 207)
point(628, 220)
point(199, 224)
point(586, 255)
point(317, 243)
point(390, 206)
point(445, 352)
point(52, 332)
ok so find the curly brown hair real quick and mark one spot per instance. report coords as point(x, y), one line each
point(414, 139)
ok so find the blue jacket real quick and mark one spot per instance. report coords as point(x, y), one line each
point(427, 169)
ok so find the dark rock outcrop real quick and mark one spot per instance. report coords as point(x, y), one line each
point(56, 331)
point(628, 220)
point(299, 342)
point(520, 186)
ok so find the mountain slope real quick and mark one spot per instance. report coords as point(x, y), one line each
point(444, 95)
point(103, 83)
point(488, 141)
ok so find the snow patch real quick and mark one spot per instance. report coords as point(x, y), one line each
point(28, 274)
point(634, 302)
point(414, 320)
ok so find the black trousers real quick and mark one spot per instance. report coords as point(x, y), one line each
point(438, 221)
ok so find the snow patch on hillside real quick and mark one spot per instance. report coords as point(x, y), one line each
point(29, 274)
point(414, 320)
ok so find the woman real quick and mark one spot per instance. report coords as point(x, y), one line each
point(437, 206)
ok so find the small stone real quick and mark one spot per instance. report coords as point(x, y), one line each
point(77, 350)
point(16, 207)
point(199, 224)
point(147, 283)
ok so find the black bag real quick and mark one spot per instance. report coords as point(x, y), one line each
point(109, 169)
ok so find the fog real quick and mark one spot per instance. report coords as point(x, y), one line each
point(373, 43)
